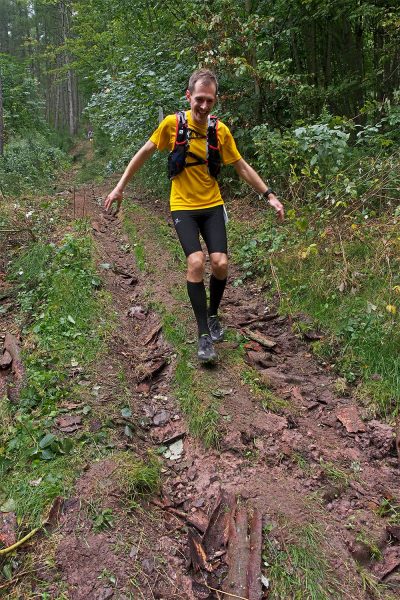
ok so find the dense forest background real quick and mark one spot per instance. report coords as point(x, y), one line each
point(283, 67)
point(311, 91)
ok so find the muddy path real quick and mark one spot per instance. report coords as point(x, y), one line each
point(264, 457)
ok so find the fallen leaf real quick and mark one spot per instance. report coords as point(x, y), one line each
point(69, 423)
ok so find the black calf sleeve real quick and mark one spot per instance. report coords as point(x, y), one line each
point(217, 287)
point(198, 299)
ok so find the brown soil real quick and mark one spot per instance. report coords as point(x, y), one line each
point(308, 459)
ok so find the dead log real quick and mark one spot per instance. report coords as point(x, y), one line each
point(238, 555)
point(254, 569)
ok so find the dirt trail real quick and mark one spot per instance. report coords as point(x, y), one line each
point(301, 458)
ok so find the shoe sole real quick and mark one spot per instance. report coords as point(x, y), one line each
point(204, 360)
point(217, 340)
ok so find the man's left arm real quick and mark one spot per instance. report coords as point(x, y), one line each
point(246, 172)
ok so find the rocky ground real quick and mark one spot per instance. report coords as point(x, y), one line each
point(294, 465)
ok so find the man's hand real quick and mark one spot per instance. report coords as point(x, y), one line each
point(115, 196)
point(274, 202)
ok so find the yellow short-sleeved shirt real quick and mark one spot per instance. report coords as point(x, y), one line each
point(194, 187)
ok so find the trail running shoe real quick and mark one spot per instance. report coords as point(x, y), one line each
point(215, 327)
point(206, 352)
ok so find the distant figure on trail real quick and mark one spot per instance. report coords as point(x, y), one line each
point(198, 144)
point(89, 134)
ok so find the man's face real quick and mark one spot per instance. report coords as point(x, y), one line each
point(201, 100)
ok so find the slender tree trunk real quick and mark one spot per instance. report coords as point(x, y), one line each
point(71, 113)
point(252, 58)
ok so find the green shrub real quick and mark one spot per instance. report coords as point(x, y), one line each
point(29, 164)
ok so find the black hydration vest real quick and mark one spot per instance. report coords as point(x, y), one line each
point(177, 159)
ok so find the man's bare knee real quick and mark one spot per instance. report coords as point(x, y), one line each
point(195, 266)
point(219, 264)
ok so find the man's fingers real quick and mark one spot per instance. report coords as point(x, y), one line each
point(108, 203)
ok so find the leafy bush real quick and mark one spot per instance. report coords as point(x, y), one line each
point(313, 151)
point(29, 164)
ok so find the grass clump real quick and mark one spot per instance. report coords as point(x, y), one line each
point(269, 401)
point(193, 396)
point(60, 309)
point(137, 245)
point(335, 474)
point(139, 478)
point(296, 567)
point(160, 230)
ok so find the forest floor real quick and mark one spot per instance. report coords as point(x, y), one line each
point(271, 483)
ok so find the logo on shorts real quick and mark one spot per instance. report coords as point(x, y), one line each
point(177, 220)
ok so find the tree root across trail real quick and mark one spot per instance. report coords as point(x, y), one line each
point(272, 485)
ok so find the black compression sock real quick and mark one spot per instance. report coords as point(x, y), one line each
point(217, 287)
point(198, 299)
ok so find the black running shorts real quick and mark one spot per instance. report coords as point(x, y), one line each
point(208, 222)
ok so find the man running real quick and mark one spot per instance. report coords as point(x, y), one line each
point(197, 207)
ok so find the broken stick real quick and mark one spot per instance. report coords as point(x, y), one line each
point(260, 338)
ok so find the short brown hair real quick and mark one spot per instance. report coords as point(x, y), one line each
point(205, 76)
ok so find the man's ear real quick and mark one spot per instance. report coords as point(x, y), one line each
point(188, 94)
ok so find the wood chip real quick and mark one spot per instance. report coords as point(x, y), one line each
point(217, 533)
point(198, 555)
point(350, 419)
point(150, 369)
point(152, 334)
point(5, 360)
point(199, 520)
point(11, 345)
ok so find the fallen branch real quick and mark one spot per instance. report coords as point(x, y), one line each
point(260, 338)
point(27, 537)
point(226, 593)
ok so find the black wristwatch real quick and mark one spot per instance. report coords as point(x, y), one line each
point(267, 192)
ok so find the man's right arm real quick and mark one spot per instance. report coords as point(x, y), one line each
point(137, 161)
